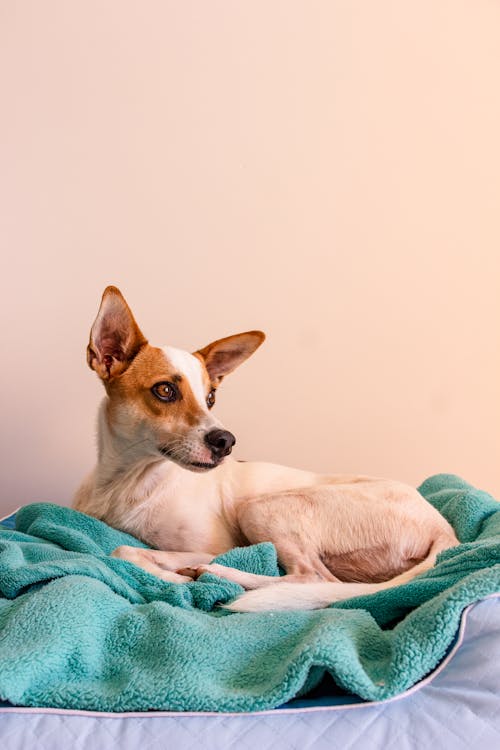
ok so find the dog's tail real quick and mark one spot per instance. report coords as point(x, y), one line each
point(289, 596)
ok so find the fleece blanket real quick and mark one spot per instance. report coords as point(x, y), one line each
point(82, 630)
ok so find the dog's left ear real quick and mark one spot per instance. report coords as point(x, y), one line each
point(224, 355)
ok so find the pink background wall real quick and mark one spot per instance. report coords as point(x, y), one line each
point(326, 171)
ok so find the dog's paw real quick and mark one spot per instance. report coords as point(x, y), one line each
point(194, 572)
point(230, 574)
point(218, 570)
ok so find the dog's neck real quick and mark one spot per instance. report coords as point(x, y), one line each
point(118, 458)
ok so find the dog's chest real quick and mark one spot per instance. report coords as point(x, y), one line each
point(183, 522)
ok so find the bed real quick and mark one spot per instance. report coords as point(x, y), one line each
point(455, 706)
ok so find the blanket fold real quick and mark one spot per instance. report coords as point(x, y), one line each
point(80, 629)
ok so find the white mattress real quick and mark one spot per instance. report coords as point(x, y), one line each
point(457, 706)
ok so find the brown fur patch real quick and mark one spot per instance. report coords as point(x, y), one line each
point(370, 565)
point(151, 366)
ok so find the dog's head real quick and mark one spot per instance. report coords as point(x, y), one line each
point(160, 399)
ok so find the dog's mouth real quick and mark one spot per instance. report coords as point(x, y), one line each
point(192, 465)
point(201, 465)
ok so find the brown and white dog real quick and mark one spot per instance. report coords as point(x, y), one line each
point(164, 475)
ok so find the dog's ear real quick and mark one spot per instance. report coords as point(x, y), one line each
point(223, 356)
point(115, 338)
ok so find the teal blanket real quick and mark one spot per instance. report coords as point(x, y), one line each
point(82, 630)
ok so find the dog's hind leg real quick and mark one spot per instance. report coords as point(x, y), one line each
point(300, 568)
point(271, 519)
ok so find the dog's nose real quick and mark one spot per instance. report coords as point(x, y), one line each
point(221, 442)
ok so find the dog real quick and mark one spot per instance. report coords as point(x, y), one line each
point(164, 474)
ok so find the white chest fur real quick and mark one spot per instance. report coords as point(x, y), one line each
point(183, 511)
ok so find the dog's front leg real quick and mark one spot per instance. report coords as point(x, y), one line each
point(162, 564)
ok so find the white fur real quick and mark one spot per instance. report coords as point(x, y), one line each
point(190, 367)
point(293, 596)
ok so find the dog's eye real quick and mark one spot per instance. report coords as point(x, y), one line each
point(165, 391)
point(211, 398)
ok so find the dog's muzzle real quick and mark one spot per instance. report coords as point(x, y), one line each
point(220, 443)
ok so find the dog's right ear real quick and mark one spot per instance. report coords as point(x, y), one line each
point(115, 338)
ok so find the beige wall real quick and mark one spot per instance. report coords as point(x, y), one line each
point(326, 171)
